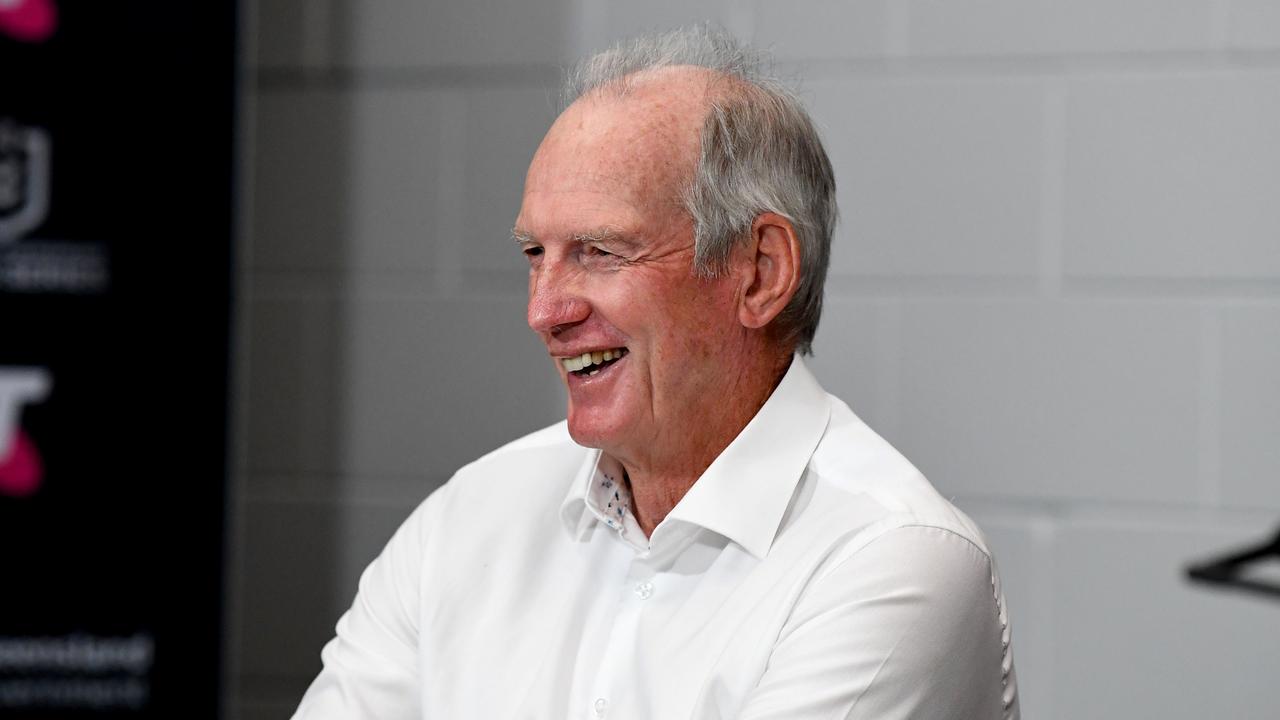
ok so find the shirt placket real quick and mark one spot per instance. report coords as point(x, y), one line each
point(610, 686)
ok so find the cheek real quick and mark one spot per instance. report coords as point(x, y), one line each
point(698, 324)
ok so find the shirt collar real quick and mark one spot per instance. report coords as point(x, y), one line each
point(745, 492)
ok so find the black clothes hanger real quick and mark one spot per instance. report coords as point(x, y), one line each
point(1229, 570)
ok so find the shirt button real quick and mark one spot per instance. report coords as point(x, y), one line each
point(644, 590)
point(601, 705)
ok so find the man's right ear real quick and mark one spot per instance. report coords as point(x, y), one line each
point(772, 270)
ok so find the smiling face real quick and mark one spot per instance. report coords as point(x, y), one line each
point(611, 281)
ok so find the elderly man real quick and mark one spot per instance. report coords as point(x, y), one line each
point(709, 535)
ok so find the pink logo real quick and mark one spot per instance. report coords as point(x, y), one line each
point(21, 470)
point(30, 21)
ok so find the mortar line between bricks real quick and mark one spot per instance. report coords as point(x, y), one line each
point(1052, 191)
point(1209, 412)
point(1122, 287)
point(549, 74)
point(437, 76)
point(363, 500)
point(1069, 65)
point(1065, 508)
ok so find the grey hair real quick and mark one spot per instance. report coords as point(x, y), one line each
point(760, 152)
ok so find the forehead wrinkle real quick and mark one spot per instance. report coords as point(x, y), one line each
point(652, 135)
point(625, 172)
point(636, 152)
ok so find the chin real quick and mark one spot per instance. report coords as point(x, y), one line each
point(592, 432)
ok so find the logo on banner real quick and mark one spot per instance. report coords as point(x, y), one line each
point(76, 672)
point(30, 21)
point(38, 265)
point(21, 469)
point(24, 179)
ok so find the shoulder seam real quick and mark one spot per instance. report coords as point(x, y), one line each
point(889, 527)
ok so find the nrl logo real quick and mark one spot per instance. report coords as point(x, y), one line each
point(21, 468)
point(29, 21)
point(24, 179)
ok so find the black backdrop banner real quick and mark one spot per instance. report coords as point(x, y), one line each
point(116, 206)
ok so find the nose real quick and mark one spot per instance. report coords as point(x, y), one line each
point(555, 304)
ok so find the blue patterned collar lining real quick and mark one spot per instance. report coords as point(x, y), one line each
point(609, 499)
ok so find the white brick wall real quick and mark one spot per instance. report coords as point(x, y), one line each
point(414, 34)
point(1249, 406)
point(934, 177)
point(1254, 24)
point(1132, 640)
point(951, 28)
point(1056, 287)
point(1057, 399)
point(846, 30)
point(1173, 174)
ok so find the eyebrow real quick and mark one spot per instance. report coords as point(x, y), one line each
point(609, 235)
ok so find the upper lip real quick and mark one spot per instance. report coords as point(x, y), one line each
point(562, 354)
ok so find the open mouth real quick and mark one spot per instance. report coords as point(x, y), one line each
point(590, 363)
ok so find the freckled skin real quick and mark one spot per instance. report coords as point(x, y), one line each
point(695, 374)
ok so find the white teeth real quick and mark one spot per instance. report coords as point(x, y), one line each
point(587, 359)
point(594, 372)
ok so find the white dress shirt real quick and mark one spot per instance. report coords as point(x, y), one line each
point(811, 572)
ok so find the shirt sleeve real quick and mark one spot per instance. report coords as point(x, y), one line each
point(912, 625)
point(371, 666)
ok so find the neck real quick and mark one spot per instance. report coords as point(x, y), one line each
point(659, 481)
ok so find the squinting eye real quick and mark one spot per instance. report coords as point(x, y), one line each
point(594, 250)
point(533, 251)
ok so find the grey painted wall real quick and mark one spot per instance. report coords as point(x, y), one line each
point(1056, 288)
